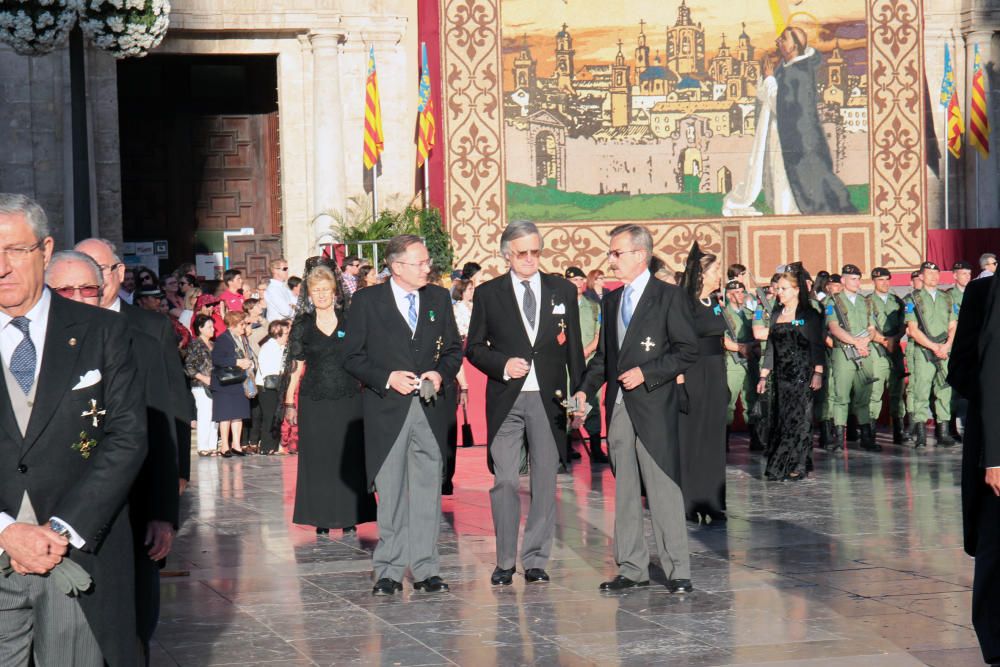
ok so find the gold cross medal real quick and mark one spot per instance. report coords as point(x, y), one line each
point(648, 344)
point(85, 445)
point(439, 345)
point(94, 414)
point(561, 338)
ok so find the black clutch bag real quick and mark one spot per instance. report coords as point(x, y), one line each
point(228, 375)
point(272, 381)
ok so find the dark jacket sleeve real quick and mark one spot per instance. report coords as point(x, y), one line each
point(577, 363)
point(593, 375)
point(450, 360)
point(963, 362)
point(683, 350)
point(478, 350)
point(101, 492)
point(357, 362)
point(160, 470)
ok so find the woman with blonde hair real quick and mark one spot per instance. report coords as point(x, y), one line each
point(331, 489)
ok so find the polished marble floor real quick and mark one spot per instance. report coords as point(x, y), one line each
point(859, 565)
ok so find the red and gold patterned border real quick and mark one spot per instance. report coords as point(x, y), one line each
point(893, 235)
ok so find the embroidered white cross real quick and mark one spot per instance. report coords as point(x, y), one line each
point(648, 343)
point(94, 413)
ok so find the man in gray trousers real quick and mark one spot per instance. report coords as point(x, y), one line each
point(524, 335)
point(401, 342)
point(647, 339)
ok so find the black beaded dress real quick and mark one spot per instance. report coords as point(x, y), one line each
point(331, 489)
point(703, 425)
point(794, 349)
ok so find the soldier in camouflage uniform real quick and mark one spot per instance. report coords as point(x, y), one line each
point(886, 311)
point(962, 273)
point(916, 283)
point(931, 321)
point(850, 362)
point(742, 356)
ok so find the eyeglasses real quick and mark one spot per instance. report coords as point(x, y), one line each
point(108, 268)
point(86, 291)
point(427, 262)
point(524, 254)
point(616, 254)
point(18, 254)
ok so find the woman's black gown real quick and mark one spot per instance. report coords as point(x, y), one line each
point(331, 488)
point(703, 426)
point(791, 399)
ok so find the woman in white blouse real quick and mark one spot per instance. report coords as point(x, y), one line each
point(269, 366)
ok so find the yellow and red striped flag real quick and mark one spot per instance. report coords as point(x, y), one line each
point(956, 127)
point(425, 109)
point(979, 122)
point(374, 141)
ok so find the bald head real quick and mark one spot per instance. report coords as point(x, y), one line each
point(74, 271)
point(792, 43)
point(103, 252)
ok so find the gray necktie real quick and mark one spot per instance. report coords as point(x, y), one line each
point(529, 303)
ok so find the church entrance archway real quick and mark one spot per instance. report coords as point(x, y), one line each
point(546, 159)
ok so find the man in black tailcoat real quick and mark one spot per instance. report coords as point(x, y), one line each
point(972, 372)
point(402, 344)
point(525, 335)
point(72, 439)
point(647, 339)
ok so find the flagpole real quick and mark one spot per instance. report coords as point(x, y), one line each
point(375, 192)
point(427, 183)
point(947, 153)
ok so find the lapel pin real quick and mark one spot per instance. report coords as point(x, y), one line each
point(648, 343)
point(430, 314)
point(561, 337)
point(72, 342)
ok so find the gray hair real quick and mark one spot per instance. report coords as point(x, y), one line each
point(518, 229)
point(11, 203)
point(639, 236)
point(64, 256)
point(397, 246)
point(106, 243)
point(986, 257)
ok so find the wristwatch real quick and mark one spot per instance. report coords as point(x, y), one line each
point(59, 528)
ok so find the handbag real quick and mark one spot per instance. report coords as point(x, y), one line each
point(228, 375)
point(468, 440)
point(272, 381)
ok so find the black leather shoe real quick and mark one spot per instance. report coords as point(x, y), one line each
point(533, 574)
point(620, 583)
point(433, 584)
point(386, 587)
point(226, 454)
point(679, 585)
point(350, 530)
point(447, 490)
point(502, 577)
point(322, 531)
point(238, 452)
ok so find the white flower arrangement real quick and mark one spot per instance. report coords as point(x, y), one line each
point(125, 28)
point(37, 27)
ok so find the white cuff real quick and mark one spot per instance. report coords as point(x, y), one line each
point(74, 537)
point(5, 520)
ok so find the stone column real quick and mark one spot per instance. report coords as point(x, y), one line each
point(980, 174)
point(328, 127)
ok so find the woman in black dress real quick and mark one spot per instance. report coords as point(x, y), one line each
point(703, 423)
point(795, 355)
point(331, 489)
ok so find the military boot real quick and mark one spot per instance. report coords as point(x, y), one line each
point(942, 437)
point(852, 429)
point(897, 431)
point(837, 443)
point(868, 439)
point(824, 435)
point(919, 435)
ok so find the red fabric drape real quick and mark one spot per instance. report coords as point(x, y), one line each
point(947, 246)
point(429, 29)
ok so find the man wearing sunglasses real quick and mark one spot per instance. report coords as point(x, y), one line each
point(279, 299)
point(525, 335)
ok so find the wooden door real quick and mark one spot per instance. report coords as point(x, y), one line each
point(252, 256)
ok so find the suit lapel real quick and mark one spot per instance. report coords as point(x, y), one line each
point(58, 364)
point(7, 420)
point(391, 311)
point(423, 313)
point(642, 309)
point(546, 320)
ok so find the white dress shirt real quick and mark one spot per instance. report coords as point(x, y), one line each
point(269, 360)
point(531, 380)
point(10, 338)
point(280, 300)
point(638, 287)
